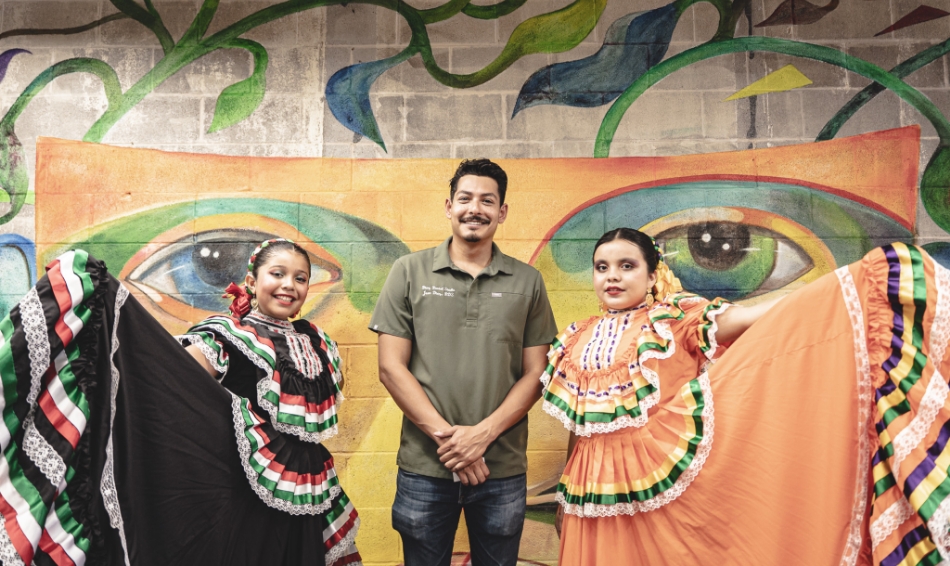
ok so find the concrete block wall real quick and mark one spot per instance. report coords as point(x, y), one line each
point(421, 119)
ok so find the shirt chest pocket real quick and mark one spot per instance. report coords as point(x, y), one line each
point(507, 314)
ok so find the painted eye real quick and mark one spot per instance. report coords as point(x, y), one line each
point(732, 260)
point(195, 270)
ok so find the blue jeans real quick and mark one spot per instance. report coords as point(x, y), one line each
point(426, 513)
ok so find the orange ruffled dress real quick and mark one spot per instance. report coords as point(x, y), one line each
point(819, 438)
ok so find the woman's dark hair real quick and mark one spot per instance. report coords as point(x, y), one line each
point(480, 168)
point(637, 238)
point(274, 247)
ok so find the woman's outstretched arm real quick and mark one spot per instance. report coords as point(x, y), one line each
point(737, 319)
point(201, 359)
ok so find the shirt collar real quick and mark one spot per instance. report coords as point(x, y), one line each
point(500, 263)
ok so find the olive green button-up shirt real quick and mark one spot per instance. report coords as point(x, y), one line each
point(467, 335)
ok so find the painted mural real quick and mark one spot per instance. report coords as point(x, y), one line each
point(775, 220)
point(176, 228)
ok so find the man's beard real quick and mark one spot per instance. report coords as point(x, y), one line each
point(472, 238)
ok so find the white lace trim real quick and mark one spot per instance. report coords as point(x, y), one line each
point(930, 404)
point(678, 487)
point(8, 553)
point(347, 545)
point(110, 495)
point(37, 341)
point(267, 496)
point(937, 391)
point(207, 351)
point(587, 429)
point(888, 521)
point(263, 386)
point(42, 454)
point(714, 328)
point(940, 329)
point(939, 527)
point(862, 364)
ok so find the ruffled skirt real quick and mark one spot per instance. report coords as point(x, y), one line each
point(825, 428)
point(118, 448)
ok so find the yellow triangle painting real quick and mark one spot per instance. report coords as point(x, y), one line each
point(786, 78)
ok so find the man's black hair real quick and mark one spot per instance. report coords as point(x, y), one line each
point(480, 168)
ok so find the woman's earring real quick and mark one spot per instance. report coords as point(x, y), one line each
point(254, 303)
point(601, 307)
point(649, 299)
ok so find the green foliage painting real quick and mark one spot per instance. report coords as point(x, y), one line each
point(631, 60)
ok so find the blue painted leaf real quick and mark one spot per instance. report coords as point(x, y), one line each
point(13, 176)
point(632, 45)
point(240, 100)
point(5, 59)
point(348, 94)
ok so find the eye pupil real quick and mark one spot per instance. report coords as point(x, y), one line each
point(219, 263)
point(718, 246)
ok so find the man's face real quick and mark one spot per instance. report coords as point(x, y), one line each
point(476, 211)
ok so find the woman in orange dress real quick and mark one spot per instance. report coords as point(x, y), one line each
point(819, 437)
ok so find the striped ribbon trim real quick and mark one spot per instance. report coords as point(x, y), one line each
point(905, 415)
point(662, 485)
point(292, 414)
point(44, 415)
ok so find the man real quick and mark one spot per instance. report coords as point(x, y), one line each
point(463, 335)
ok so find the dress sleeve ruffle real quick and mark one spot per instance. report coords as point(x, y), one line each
point(697, 316)
point(602, 401)
point(297, 405)
point(597, 402)
point(209, 345)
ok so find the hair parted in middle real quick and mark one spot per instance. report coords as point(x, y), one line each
point(651, 253)
point(480, 168)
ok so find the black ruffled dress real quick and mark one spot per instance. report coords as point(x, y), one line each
point(118, 448)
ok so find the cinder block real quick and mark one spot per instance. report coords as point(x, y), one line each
point(277, 33)
point(278, 119)
point(930, 76)
point(545, 433)
point(769, 116)
point(357, 420)
point(52, 14)
point(848, 20)
point(468, 60)
point(718, 73)
point(453, 117)
point(882, 113)
point(371, 479)
point(720, 120)
point(209, 75)
point(463, 30)
point(176, 15)
point(377, 542)
point(662, 115)
point(352, 24)
point(420, 150)
point(412, 76)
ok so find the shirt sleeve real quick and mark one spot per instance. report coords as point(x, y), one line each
point(699, 326)
point(393, 311)
point(208, 339)
point(540, 328)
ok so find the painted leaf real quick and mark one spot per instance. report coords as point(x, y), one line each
point(797, 13)
point(13, 175)
point(632, 45)
point(5, 59)
point(240, 100)
point(556, 31)
point(348, 95)
point(920, 15)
